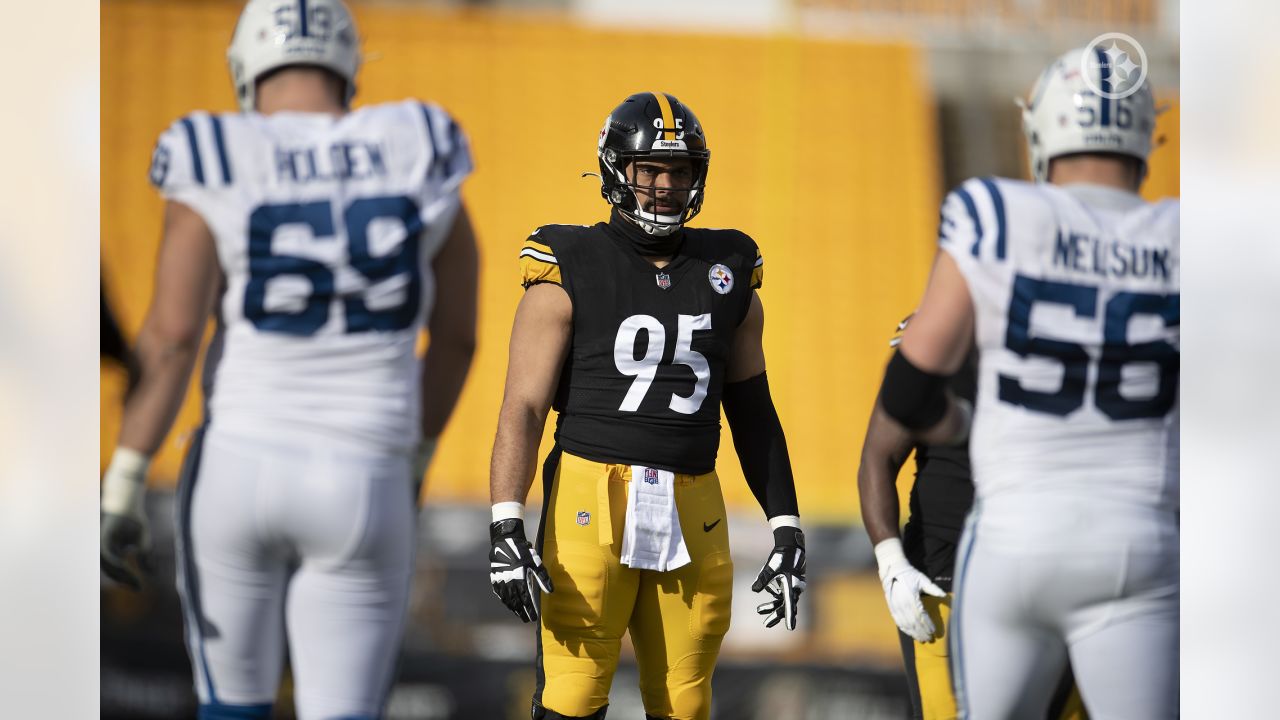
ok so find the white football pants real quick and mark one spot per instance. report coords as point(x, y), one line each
point(1106, 597)
point(296, 540)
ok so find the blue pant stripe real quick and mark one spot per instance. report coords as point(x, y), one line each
point(191, 582)
point(955, 640)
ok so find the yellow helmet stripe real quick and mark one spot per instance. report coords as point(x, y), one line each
point(668, 118)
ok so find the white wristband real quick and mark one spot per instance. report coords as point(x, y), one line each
point(125, 483)
point(889, 553)
point(778, 521)
point(507, 511)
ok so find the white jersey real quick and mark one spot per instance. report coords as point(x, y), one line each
point(325, 227)
point(1076, 297)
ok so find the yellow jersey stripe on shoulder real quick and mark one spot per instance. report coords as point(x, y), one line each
point(544, 249)
point(534, 270)
point(757, 271)
point(538, 254)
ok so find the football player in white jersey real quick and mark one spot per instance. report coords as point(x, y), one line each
point(1069, 288)
point(323, 239)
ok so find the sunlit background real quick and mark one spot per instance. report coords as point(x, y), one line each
point(835, 128)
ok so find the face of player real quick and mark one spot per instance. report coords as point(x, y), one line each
point(661, 184)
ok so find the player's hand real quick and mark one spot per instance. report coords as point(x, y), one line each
point(783, 576)
point(514, 568)
point(125, 532)
point(903, 584)
point(124, 536)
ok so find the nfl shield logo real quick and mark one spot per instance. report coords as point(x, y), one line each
point(664, 280)
point(651, 476)
point(584, 518)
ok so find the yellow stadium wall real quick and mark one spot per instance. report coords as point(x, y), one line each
point(1163, 168)
point(823, 151)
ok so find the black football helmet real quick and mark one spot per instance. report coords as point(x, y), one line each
point(651, 125)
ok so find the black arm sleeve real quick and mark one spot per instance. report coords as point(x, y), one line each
point(762, 448)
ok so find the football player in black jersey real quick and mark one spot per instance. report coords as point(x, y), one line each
point(635, 331)
point(916, 569)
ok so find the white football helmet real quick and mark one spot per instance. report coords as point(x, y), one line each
point(274, 33)
point(1067, 115)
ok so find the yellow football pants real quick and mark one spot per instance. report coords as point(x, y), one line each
point(928, 663)
point(676, 618)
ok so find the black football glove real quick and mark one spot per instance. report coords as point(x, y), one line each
point(514, 566)
point(783, 576)
point(121, 536)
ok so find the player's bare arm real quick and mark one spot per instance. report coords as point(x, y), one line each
point(884, 450)
point(187, 282)
point(539, 340)
point(452, 326)
point(762, 451)
point(933, 347)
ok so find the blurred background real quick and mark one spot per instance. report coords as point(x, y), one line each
point(835, 126)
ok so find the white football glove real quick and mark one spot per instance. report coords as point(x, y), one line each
point(902, 587)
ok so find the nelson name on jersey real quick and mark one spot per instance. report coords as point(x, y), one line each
point(344, 160)
point(1109, 257)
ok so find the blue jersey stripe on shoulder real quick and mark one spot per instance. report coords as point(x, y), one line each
point(196, 166)
point(431, 140)
point(222, 149)
point(998, 201)
point(967, 199)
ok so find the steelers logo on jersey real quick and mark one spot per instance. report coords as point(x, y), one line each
point(721, 279)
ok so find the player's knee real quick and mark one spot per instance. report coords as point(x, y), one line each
point(542, 713)
point(573, 696)
point(223, 711)
point(685, 692)
point(692, 703)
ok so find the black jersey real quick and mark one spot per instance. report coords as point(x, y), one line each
point(941, 496)
point(642, 380)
